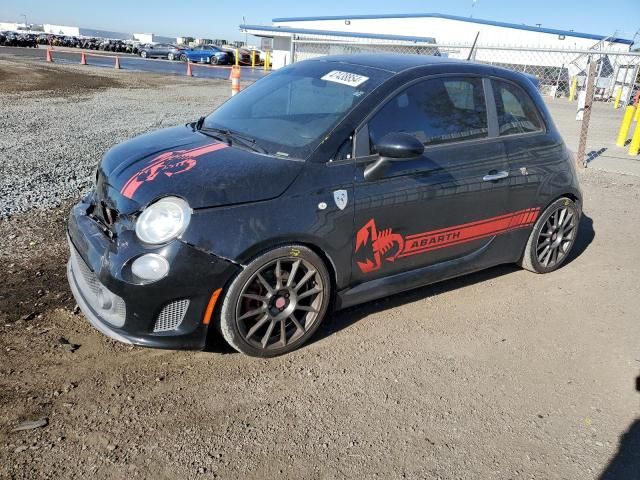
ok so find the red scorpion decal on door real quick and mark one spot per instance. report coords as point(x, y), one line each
point(382, 243)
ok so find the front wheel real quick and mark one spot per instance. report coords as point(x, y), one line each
point(553, 237)
point(144, 54)
point(170, 56)
point(213, 60)
point(277, 302)
point(183, 58)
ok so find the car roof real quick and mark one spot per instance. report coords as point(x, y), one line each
point(396, 63)
point(392, 62)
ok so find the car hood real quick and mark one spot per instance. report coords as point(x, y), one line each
point(183, 162)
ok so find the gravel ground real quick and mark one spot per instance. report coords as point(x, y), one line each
point(498, 375)
point(56, 128)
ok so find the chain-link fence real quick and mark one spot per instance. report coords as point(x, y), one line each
point(560, 72)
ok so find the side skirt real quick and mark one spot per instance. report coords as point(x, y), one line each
point(400, 282)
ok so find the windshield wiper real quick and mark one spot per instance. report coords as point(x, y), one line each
point(232, 136)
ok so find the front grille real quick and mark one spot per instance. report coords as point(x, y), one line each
point(108, 305)
point(171, 316)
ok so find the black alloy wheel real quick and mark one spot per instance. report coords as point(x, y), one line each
point(553, 236)
point(277, 303)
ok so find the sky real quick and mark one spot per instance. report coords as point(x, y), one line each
point(220, 19)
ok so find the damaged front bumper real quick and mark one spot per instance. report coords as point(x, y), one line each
point(168, 313)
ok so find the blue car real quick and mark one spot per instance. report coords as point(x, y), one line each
point(207, 54)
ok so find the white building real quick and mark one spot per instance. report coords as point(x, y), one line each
point(67, 30)
point(12, 27)
point(73, 31)
point(428, 28)
point(143, 37)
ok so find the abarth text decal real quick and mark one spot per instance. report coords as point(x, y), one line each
point(388, 246)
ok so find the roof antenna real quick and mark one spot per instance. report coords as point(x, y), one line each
point(473, 46)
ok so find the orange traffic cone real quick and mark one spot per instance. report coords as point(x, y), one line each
point(117, 64)
point(49, 58)
point(235, 80)
point(189, 72)
point(83, 59)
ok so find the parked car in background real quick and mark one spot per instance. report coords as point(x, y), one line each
point(161, 50)
point(208, 54)
point(13, 39)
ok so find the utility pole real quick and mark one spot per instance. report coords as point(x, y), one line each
point(246, 35)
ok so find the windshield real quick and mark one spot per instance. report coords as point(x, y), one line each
point(290, 111)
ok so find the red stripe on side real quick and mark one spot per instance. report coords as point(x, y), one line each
point(468, 232)
point(457, 227)
point(458, 242)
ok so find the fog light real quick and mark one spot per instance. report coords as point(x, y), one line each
point(150, 267)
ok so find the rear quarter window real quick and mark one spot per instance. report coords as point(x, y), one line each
point(516, 111)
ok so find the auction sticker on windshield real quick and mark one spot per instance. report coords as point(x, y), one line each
point(346, 78)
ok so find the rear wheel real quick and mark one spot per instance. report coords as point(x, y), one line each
point(143, 54)
point(276, 303)
point(183, 58)
point(552, 237)
point(170, 56)
point(213, 60)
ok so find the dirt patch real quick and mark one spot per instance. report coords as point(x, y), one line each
point(32, 266)
point(17, 77)
point(18, 74)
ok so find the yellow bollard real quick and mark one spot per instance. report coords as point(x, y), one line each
point(624, 126)
point(616, 103)
point(572, 88)
point(253, 59)
point(237, 58)
point(636, 117)
point(634, 147)
point(266, 60)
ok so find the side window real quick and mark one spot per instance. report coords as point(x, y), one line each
point(516, 111)
point(436, 111)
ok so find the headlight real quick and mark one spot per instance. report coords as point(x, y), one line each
point(163, 221)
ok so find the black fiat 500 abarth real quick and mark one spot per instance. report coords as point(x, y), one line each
point(328, 183)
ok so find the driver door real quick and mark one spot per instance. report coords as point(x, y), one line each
point(448, 203)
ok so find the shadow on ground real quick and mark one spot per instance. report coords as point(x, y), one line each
point(626, 463)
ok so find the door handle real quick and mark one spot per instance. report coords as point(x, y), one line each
point(495, 176)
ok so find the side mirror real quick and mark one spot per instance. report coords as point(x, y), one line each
point(399, 146)
point(394, 146)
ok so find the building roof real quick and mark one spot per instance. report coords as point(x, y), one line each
point(337, 33)
point(568, 33)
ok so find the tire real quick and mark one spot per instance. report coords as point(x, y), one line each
point(143, 54)
point(552, 237)
point(183, 58)
point(273, 299)
point(170, 56)
point(213, 60)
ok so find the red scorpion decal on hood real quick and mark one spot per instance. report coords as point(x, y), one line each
point(169, 164)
